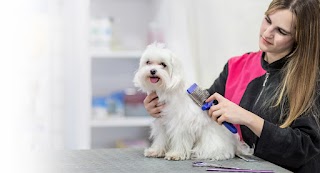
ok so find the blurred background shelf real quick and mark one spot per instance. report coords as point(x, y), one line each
point(119, 31)
point(122, 122)
point(103, 53)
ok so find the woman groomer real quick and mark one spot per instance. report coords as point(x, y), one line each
point(274, 94)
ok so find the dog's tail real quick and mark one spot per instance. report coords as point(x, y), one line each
point(242, 147)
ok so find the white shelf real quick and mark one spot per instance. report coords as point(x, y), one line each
point(112, 69)
point(123, 122)
point(101, 53)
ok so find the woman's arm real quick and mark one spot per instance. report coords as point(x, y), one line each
point(230, 112)
point(290, 147)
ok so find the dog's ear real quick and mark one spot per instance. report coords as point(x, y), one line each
point(136, 81)
point(176, 73)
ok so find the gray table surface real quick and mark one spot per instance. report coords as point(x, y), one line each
point(132, 160)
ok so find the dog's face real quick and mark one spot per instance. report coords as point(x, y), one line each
point(159, 70)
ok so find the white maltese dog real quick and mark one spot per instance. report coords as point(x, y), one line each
point(183, 131)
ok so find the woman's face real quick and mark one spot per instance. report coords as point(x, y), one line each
point(276, 34)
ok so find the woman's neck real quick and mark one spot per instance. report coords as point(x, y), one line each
point(270, 58)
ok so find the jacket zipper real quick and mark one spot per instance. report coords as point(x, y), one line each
point(263, 86)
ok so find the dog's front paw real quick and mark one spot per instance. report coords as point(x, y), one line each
point(151, 152)
point(175, 156)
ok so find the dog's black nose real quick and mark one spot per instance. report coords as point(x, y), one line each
point(153, 71)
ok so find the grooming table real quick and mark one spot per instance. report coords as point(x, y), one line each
point(133, 161)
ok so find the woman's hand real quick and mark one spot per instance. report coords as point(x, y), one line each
point(152, 105)
point(230, 112)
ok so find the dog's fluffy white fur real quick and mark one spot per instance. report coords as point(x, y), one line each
point(183, 131)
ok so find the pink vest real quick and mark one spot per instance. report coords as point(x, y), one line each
point(241, 71)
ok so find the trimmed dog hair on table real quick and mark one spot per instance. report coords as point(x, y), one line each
point(183, 131)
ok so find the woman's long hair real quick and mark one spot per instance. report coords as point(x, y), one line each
point(301, 73)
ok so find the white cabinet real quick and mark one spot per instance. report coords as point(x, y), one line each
point(112, 69)
point(112, 73)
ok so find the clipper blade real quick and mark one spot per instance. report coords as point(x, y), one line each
point(198, 95)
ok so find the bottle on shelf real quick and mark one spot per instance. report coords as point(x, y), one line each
point(101, 33)
point(99, 108)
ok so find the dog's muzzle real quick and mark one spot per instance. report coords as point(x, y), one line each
point(153, 71)
point(154, 78)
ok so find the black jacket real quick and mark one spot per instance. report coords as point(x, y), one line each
point(297, 147)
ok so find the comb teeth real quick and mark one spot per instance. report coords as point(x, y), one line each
point(198, 95)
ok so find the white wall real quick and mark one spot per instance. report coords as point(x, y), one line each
point(229, 28)
point(206, 33)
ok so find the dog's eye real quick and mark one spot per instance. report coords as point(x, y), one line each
point(163, 64)
point(148, 63)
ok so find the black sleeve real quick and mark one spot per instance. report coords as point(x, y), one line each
point(219, 84)
point(295, 146)
point(290, 147)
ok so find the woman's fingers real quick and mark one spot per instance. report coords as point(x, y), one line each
point(156, 112)
point(215, 115)
point(215, 96)
point(216, 112)
point(152, 105)
point(150, 98)
point(218, 116)
point(213, 108)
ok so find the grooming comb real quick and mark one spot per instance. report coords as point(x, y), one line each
point(199, 96)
